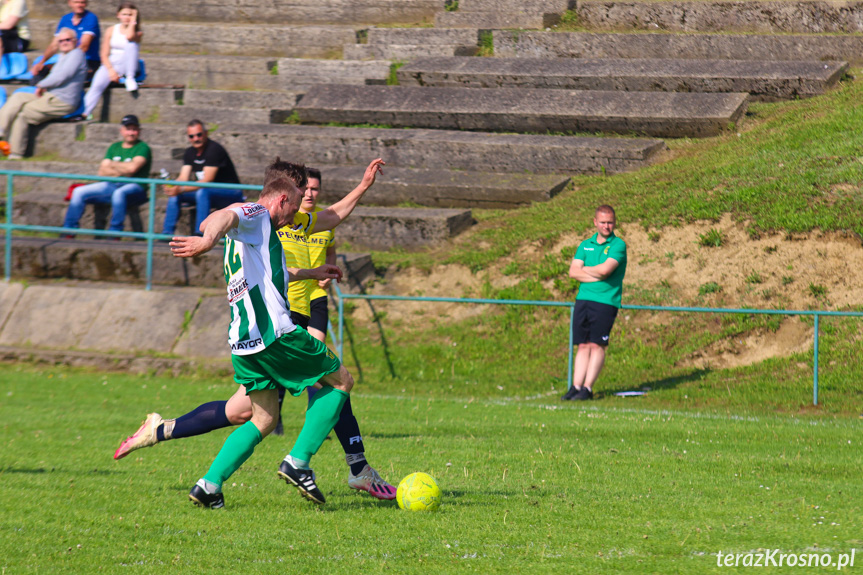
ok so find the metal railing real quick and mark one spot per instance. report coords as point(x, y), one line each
point(341, 296)
point(150, 236)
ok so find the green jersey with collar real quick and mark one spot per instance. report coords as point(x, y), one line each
point(592, 253)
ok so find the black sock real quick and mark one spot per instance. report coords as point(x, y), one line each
point(202, 419)
point(280, 428)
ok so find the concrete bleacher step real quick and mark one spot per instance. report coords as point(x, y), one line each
point(348, 12)
point(766, 47)
point(126, 261)
point(443, 188)
point(309, 41)
point(657, 114)
point(404, 228)
point(763, 80)
point(403, 52)
point(409, 43)
point(492, 14)
point(367, 228)
point(427, 188)
point(424, 36)
point(214, 72)
point(303, 72)
point(496, 20)
point(788, 16)
point(258, 73)
point(177, 106)
point(420, 149)
point(224, 38)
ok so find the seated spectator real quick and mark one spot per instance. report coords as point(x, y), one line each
point(128, 158)
point(208, 161)
point(119, 56)
point(86, 26)
point(56, 96)
point(14, 26)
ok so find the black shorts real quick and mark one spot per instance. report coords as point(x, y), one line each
point(320, 313)
point(300, 320)
point(593, 322)
point(318, 320)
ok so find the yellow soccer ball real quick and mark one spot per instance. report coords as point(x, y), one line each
point(418, 492)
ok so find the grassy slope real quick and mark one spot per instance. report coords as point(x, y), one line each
point(794, 166)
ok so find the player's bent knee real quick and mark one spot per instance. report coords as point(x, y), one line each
point(265, 424)
point(344, 380)
point(239, 418)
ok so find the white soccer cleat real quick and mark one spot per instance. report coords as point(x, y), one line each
point(369, 480)
point(144, 437)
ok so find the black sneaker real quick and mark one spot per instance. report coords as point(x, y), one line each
point(203, 499)
point(303, 480)
point(570, 393)
point(583, 394)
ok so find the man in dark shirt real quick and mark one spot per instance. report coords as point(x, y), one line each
point(208, 161)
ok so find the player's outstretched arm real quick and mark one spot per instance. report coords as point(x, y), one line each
point(324, 272)
point(336, 213)
point(214, 228)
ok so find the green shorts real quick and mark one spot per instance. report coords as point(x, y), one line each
point(295, 361)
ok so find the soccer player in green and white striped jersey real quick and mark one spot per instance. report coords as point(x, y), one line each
point(268, 350)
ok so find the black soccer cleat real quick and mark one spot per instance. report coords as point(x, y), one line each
point(583, 394)
point(570, 393)
point(303, 480)
point(203, 499)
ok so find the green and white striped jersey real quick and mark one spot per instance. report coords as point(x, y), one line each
point(257, 279)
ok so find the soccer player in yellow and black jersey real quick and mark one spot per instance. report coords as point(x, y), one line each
point(237, 410)
point(309, 310)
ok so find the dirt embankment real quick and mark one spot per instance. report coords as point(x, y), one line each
point(804, 271)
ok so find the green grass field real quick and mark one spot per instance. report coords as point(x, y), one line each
point(529, 485)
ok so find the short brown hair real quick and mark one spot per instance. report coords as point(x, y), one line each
point(605, 209)
point(279, 186)
point(279, 168)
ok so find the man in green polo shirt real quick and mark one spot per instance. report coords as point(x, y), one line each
point(128, 158)
point(599, 264)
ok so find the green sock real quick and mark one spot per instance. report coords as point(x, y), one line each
point(321, 416)
point(237, 449)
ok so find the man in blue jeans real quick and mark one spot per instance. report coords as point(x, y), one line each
point(129, 158)
point(208, 161)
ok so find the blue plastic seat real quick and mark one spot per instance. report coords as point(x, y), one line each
point(13, 65)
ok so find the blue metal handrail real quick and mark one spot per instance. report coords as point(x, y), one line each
point(816, 314)
point(150, 236)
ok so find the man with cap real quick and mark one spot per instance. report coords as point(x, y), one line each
point(128, 158)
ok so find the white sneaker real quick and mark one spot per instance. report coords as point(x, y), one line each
point(144, 437)
point(369, 480)
point(131, 84)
